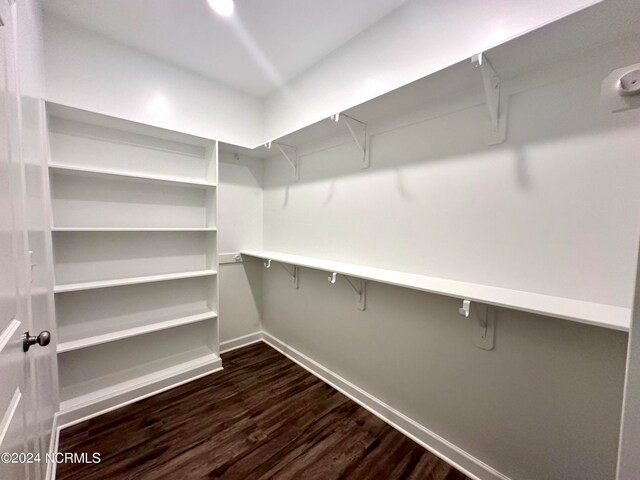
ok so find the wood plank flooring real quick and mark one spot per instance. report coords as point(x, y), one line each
point(263, 417)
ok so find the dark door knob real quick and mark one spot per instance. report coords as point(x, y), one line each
point(43, 340)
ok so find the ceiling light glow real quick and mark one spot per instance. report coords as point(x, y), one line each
point(222, 7)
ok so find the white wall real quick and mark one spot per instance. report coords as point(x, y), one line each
point(240, 227)
point(541, 212)
point(419, 38)
point(93, 73)
point(553, 210)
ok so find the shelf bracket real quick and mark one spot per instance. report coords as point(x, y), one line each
point(483, 318)
point(358, 131)
point(361, 291)
point(289, 153)
point(295, 274)
point(495, 103)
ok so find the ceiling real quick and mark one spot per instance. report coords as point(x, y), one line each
point(261, 47)
point(560, 41)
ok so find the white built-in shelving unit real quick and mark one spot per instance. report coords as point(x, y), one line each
point(134, 242)
point(602, 315)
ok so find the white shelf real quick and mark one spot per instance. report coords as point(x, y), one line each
point(602, 315)
point(132, 176)
point(74, 287)
point(133, 229)
point(100, 388)
point(83, 338)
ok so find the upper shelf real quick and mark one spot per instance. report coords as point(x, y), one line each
point(143, 177)
point(602, 315)
point(74, 287)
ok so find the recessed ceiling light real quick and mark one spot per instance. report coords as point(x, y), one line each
point(222, 7)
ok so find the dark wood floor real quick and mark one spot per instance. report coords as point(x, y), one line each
point(262, 417)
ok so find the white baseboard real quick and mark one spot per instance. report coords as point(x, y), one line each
point(240, 342)
point(450, 453)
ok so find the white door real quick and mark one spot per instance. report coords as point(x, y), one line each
point(19, 438)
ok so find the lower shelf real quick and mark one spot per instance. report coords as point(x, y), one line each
point(106, 376)
point(130, 381)
point(81, 336)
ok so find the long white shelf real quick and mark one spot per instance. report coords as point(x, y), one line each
point(89, 339)
point(602, 315)
point(133, 229)
point(74, 287)
point(132, 175)
point(100, 388)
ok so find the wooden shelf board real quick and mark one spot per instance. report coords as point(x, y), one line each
point(74, 287)
point(602, 315)
point(100, 337)
point(133, 229)
point(136, 176)
point(100, 388)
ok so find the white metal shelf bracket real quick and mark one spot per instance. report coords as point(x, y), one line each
point(295, 274)
point(361, 292)
point(483, 318)
point(289, 153)
point(496, 102)
point(358, 131)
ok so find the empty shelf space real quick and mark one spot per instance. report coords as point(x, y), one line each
point(88, 374)
point(77, 336)
point(91, 317)
point(88, 256)
point(99, 144)
point(132, 176)
point(74, 287)
point(607, 316)
point(109, 385)
point(103, 201)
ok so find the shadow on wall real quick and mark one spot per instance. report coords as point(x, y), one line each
point(452, 130)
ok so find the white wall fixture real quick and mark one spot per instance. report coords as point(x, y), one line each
point(289, 153)
point(358, 131)
point(229, 258)
point(224, 8)
point(495, 103)
point(620, 89)
point(483, 323)
point(295, 274)
point(361, 290)
point(466, 307)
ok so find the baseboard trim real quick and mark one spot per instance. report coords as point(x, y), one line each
point(240, 342)
point(450, 453)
